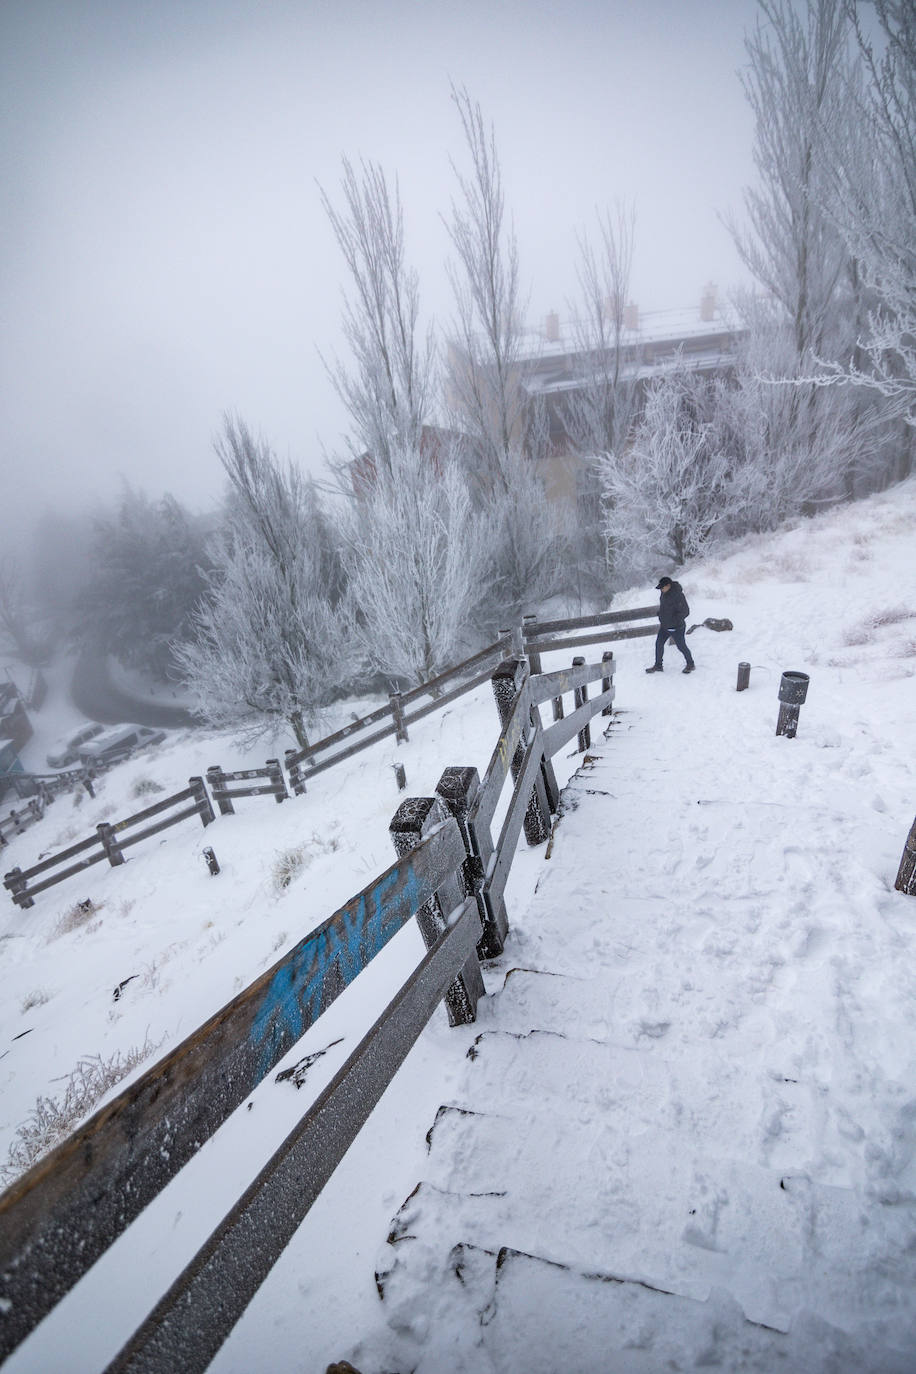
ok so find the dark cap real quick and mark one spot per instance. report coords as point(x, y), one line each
point(663, 582)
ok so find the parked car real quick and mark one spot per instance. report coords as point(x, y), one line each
point(115, 745)
point(68, 753)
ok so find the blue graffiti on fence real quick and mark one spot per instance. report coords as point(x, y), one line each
point(319, 968)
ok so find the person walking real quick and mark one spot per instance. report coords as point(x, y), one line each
point(672, 620)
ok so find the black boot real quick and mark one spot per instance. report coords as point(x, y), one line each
point(656, 668)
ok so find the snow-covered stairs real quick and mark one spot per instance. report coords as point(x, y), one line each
point(628, 1177)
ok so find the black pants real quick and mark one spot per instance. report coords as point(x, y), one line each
point(678, 636)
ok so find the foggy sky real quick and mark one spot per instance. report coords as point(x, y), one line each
point(165, 256)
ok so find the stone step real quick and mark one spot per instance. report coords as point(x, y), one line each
point(547, 1076)
point(511, 1311)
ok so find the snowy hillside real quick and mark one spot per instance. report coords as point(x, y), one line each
point(769, 862)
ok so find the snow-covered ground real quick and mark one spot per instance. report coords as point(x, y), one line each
point(735, 890)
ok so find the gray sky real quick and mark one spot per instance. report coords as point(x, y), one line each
point(164, 253)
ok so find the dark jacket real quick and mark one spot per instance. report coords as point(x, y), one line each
point(672, 608)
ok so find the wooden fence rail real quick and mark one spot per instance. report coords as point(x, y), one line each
point(223, 795)
point(60, 1216)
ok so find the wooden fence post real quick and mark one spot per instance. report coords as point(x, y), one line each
point(414, 819)
point(397, 711)
point(506, 680)
point(607, 659)
point(581, 697)
point(16, 885)
point(293, 768)
point(199, 793)
point(906, 874)
point(275, 774)
point(217, 780)
point(534, 658)
point(109, 843)
point(458, 788)
point(548, 776)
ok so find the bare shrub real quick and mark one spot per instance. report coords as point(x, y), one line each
point(52, 1119)
point(864, 631)
point(287, 864)
point(75, 917)
point(145, 787)
point(35, 999)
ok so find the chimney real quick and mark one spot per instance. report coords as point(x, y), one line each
point(552, 327)
point(708, 302)
point(631, 316)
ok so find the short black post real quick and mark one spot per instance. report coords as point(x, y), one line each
point(557, 704)
point(217, 780)
point(212, 863)
point(291, 758)
point(458, 788)
point(397, 711)
point(204, 808)
point(277, 780)
point(580, 695)
point(414, 819)
point(607, 680)
point(400, 776)
point(793, 689)
point(109, 843)
point(86, 780)
point(906, 874)
point(744, 677)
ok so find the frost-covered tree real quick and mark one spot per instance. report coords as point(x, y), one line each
point(599, 413)
point(795, 84)
point(271, 636)
point(871, 194)
point(504, 433)
point(387, 382)
point(784, 459)
point(799, 82)
point(667, 491)
point(415, 555)
point(148, 562)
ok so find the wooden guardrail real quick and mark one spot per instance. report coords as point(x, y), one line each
point(305, 763)
point(112, 841)
point(534, 638)
point(450, 874)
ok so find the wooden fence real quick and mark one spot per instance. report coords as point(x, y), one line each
point(306, 763)
point(111, 840)
point(400, 712)
point(18, 821)
point(450, 874)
